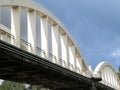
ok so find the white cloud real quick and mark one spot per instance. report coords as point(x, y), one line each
point(116, 53)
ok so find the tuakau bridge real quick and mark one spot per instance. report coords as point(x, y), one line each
point(35, 48)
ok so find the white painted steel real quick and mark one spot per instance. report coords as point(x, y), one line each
point(109, 76)
point(64, 50)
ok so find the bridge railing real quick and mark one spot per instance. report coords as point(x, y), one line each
point(78, 70)
point(70, 66)
point(53, 58)
point(40, 52)
point(63, 63)
point(5, 36)
point(25, 45)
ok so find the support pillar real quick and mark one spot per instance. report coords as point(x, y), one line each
point(72, 60)
point(64, 50)
point(55, 44)
point(103, 76)
point(59, 47)
point(111, 77)
point(115, 81)
point(79, 64)
point(105, 73)
point(108, 74)
point(15, 25)
point(32, 30)
point(44, 36)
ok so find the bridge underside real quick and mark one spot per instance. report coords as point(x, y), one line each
point(20, 66)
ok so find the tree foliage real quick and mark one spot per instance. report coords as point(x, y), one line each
point(8, 85)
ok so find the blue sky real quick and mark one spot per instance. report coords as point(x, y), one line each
point(93, 24)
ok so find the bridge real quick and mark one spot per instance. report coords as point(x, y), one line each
point(35, 48)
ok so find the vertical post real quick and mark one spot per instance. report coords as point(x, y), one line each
point(60, 47)
point(110, 77)
point(115, 81)
point(15, 25)
point(103, 76)
point(118, 83)
point(67, 50)
point(55, 39)
point(72, 56)
point(32, 30)
point(64, 50)
point(106, 77)
point(44, 36)
point(75, 61)
point(79, 63)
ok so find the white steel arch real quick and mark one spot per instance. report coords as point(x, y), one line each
point(65, 52)
point(109, 76)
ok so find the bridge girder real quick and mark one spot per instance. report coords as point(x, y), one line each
point(29, 68)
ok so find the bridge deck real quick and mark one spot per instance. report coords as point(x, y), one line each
point(21, 66)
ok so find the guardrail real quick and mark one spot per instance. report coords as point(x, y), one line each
point(41, 52)
point(63, 62)
point(5, 36)
point(53, 58)
point(25, 45)
point(71, 67)
point(78, 70)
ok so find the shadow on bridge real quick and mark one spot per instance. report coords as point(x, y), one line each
point(21, 66)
